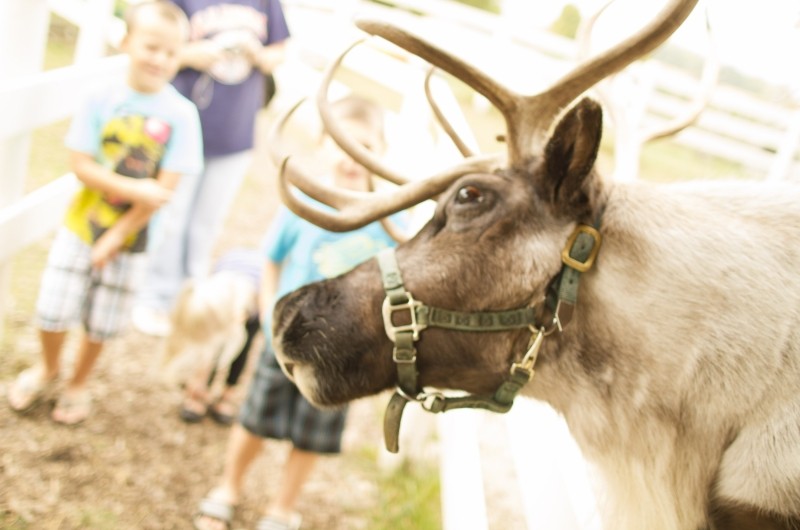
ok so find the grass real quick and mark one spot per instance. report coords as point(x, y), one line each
point(408, 497)
point(409, 500)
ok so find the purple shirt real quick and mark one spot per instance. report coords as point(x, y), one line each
point(231, 93)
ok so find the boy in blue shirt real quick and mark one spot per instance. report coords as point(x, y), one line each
point(297, 252)
point(129, 145)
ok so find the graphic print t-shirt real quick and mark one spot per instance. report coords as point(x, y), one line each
point(131, 134)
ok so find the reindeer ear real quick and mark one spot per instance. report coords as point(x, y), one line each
point(571, 152)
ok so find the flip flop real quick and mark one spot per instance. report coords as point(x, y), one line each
point(72, 408)
point(215, 509)
point(270, 522)
point(28, 390)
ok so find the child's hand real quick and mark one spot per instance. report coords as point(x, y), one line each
point(105, 248)
point(149, 193)
point(265, 58)
point(202, 54)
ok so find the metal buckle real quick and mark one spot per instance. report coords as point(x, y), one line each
point(389, 309)
point(529, 360)
point(572, 262)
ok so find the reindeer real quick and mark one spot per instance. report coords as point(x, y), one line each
point(662, 321)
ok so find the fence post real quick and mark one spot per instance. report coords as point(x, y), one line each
point(94, 30)
point(23, 39)
point(784, 159)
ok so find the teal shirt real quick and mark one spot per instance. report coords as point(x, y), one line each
point(308, 253)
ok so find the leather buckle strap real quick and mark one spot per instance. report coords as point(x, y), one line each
point(581, 253)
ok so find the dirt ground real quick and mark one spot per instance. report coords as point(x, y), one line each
point(134, 464)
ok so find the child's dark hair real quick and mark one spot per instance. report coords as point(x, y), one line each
point(164, 9)
point(358, 108)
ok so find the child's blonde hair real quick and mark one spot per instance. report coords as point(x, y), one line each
point(166, 10)
point(204, 306)
point(357, 108)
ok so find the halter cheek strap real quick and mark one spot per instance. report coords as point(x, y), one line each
point(577, 257)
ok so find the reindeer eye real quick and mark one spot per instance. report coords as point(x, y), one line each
point(469, 194)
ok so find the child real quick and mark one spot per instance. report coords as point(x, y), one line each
point(129, 145)
point(213, 326)
point(297, 253)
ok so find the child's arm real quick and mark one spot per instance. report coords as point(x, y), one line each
point(201, 54)
point(265, 58)
point(270, 57)
point(140, 191)
point(112, 240)
point(269, 286)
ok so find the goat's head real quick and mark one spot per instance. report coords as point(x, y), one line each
point(493, 244)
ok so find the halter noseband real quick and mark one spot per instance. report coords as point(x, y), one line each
point(577, 257)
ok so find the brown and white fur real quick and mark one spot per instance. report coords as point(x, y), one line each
point(208, 329)
point(679, 374)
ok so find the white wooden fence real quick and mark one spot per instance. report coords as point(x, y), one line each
point(553, 491)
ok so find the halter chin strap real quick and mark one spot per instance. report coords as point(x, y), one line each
point(577, 257)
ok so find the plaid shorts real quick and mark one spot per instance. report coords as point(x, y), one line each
point(72, 291)
point(274, 408)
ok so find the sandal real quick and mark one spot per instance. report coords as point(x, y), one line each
point(189, 414)
point(271, 522)
point(72, 408)
point(28, 389)
point(223, 411)
point(214, 509)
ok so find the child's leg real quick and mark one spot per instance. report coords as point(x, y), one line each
point(252, 326)
point(52, 342)
point(216, 509)
point(296, 471)
point(87, 355)
point(222, 178)
point(32, 384)
point(166, 267)
point(105, 314)
point(63, 289)
point(243, 448)
point(65, 285)
point(74, 404)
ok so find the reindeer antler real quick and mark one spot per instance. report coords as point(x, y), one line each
point(528, 119)
point(699, 101)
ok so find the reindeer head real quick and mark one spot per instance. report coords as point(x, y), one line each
point(494, 242)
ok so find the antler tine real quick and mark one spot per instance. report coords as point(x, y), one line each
point(508, 102)
point(356, 209)
point(357, 151)
point(274, 142)
point(443, 121)
point(583, 39)
point(500, 96)
point(528, 118)
point(708, 82)
point(619, 56)
point(353, 209)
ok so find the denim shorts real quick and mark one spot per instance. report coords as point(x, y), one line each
point(276, 409)
point(72, 291)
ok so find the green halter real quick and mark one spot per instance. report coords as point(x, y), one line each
point(577, 257)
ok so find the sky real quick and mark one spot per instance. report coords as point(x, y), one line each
point(760, 38)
